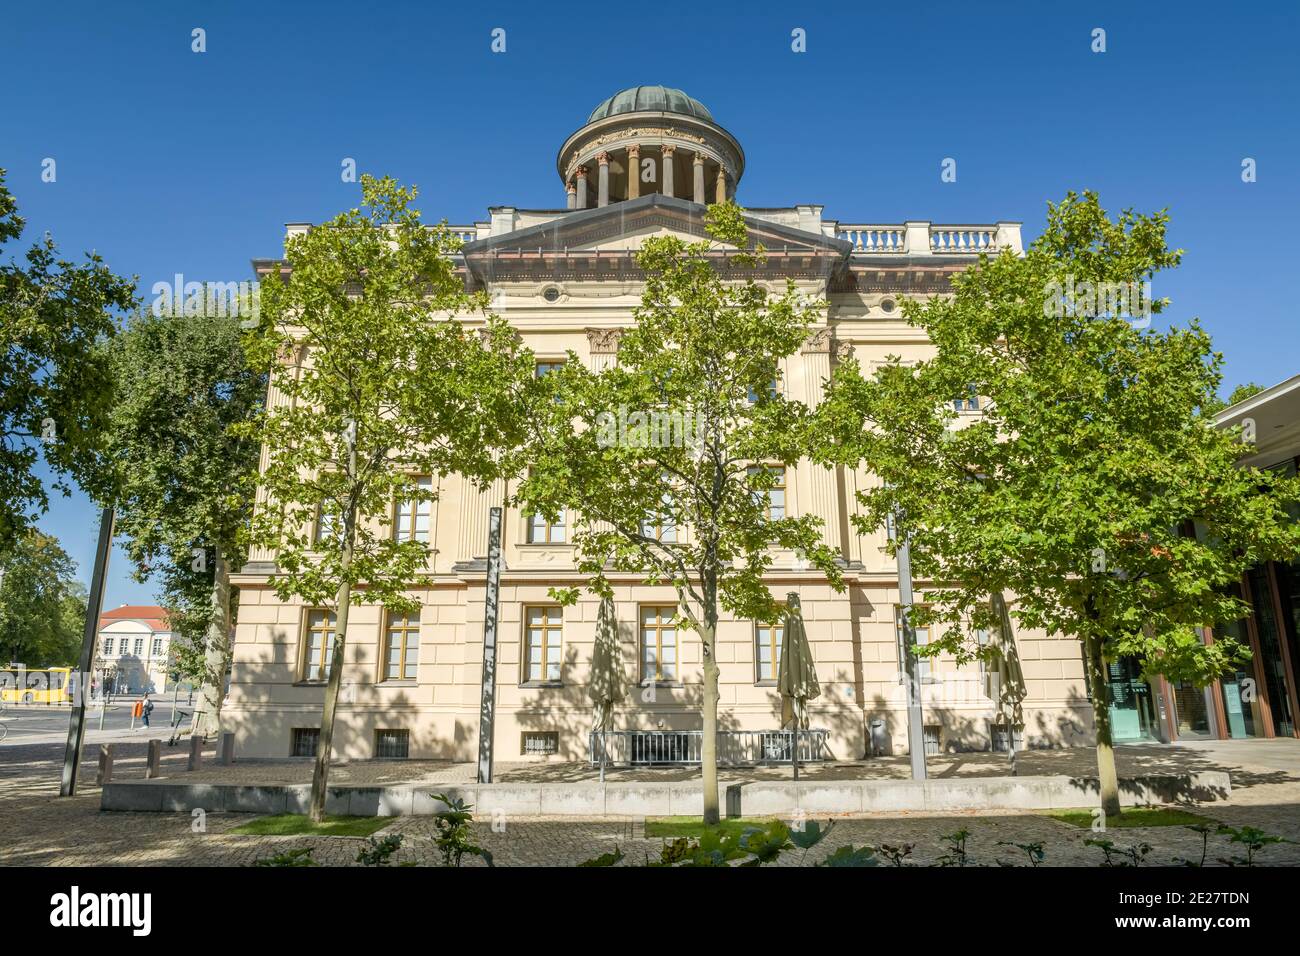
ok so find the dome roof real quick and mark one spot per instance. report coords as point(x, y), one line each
point(661, 99)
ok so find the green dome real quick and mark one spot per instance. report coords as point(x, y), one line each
point(655, 99)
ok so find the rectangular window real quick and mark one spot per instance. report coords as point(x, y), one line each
point(305, 740)
point(108, 646)
point(539, 742)
point(923, 672)
point(327, 524)
point(547, 366)
point(401, 646)
point(139, 647)
point(157, 647)
point(775, 495)
point(543, 640)
point(773, 389)
point(970, 402)
point(541, 531)
point(392, 744)
point(660, 525)
point(658, 644)
point(769, 650)
point(413, 519)
point(318, 645)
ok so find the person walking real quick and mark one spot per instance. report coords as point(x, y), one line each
point(146, 710)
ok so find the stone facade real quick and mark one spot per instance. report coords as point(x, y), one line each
point(565, 279)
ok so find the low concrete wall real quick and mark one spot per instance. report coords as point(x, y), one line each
point(671, 799)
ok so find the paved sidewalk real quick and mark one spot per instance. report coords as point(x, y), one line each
point(38, 828)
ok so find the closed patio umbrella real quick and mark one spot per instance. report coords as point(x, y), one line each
point(796, 677)
point(606, 686)
point(1011, 679)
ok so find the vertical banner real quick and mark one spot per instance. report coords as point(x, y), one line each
point(94, 605)
point(491, 613)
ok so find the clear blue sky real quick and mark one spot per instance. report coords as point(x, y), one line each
point(171, 161)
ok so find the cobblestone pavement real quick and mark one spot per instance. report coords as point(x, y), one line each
point(38, 828)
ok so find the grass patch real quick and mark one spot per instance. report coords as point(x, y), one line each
point(1133, 817)
point(695, 827)
point(294, 824)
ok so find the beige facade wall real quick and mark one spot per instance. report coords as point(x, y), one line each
point(852, 633)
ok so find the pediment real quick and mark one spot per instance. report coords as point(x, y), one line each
point(616, 231)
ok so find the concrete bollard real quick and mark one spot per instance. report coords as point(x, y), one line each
point(196, 752)
point(153, 767)
point(227, 748)
point(105, 774)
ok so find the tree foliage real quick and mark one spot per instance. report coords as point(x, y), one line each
point(42, 604)
point(381, 381)
point(55, 384)
point(667, 460)
point(1093, 460)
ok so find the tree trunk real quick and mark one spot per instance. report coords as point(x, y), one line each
point(324, 743)
point(216, 651)
point(1099, 688)
point(709, 746)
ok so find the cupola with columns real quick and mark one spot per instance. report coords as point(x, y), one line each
point(649, 139)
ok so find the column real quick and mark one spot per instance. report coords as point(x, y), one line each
point(699, 179)
point(603, 344)
point(602, 189)
point(633, 171)
point(720, 189)
point(572, 195)
point(582, 187)
point(666, 177)
point(474, 504)
point(822, 498)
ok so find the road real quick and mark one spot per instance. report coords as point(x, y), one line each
point(37, 724)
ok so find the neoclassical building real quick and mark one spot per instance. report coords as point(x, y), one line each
point(645, 163)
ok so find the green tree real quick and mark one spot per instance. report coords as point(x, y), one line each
point(55, 387)
point(42, 604)
point(183, 478)
point(1093, 460)
point(1243, 392)
point(671, 467)
point(382, 383)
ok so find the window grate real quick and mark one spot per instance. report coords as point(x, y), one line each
point(933, 739)
point(305, 740)
point(540, 743)
point(392, 744)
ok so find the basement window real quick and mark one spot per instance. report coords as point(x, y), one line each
point(539, 743)
point(392, 744)
point(305, 740)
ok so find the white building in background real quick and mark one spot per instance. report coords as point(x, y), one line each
point(645, 163)
point(133, 649)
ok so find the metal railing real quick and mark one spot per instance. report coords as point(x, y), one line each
point(736, 748)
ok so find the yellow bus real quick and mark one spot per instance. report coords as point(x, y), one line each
point(48, 685)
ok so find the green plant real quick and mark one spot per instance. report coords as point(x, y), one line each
point(1205, 832)
point(848, 856)
point(454, 832)
point(956, 855)
point(605, 859)
point(376, 852)
point(299, 857)
point(1252, 838)
point(1034, 852)
point(1120, 856)
point(896, 855)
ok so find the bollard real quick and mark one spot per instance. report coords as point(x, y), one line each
point(196, 752)
point(227, 748)
point(105, 774)
point(153, 767)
